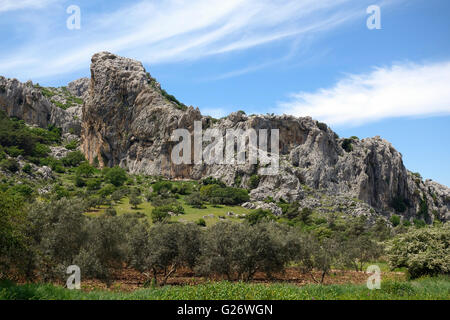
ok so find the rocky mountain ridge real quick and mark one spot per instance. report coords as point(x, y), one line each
point(126, 119)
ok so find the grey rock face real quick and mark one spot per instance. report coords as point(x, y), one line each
point(79, 88)
point(128, 120)
point(26, 102)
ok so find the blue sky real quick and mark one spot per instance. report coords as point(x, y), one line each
point(301, 57)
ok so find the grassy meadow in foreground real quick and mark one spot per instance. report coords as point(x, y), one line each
point(437, 288)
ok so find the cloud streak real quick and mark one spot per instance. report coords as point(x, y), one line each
point(13, 5)
point(168, 31)
point(402, 90)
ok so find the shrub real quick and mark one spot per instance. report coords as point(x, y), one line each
point(423, 208)
point(79, 182)
point(424, 251)
point(135, 201)
point(10, 165)
point(210, 180)
point(72, 145)
point(85, 170)
point(201, 222)
point(195, 200)
point(160, 215)
point(399, 204)
point(27, 168)
point(111, 212)
point(12, 232)
point(73, 159)
point(162, 187)
point(116, 176)
point(14, 151)
point(258, 216)
point(254, 181)
point(395, 220)
point(347, 145)
point(93, 184)
point(216, 194)
point(239, 251)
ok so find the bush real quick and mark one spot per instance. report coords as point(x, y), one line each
point(395, 220)
point(73, 159)
point(399, 204)
point(254, 181)
point(201, 222)
point(160, 215)
point(10, 165)
point(116, 176)
point(195, 200)
point(347, 145)
point(211, 180)
point(135, 201)
point(79, 182)
point(258, 216)
point(27, 168)
point(423, 251)
point(14, 151)
point(72, 145)
point(162, 187)
point(216, 194)
point(239, 251)
point(85, 170)
point(93, 184)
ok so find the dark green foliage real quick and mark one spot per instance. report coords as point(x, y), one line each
point(201, 222)
point(110, 212)
point(162, 187)
point(399, 204)
point(14, 151)
point(72, 145)
point(210, 180)
point(135, 201)
point(347, 145)
point(259, 216)
point(93, 184)
point(116, 176)
point(239, 251)
point(419, 223)
point(79, 182)
point(423, 208)
point(17, 138)
point(395, 220)
point(85, 170)
point(27, 168)
point(10, 165)
point(73, 159)
point(254, 181)
point(195, 200)
point(13, 237)
point(216, 194)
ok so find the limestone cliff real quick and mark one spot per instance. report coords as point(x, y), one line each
point(127, 120)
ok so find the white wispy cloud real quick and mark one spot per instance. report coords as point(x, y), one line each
point(12, 5)
point(170, 30)
point(400, 90)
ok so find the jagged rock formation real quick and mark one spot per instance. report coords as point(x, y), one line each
point(128, 120)
point(26, 101)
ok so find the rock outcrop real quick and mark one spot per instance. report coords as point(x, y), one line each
point(127, 120)
point(27, 102)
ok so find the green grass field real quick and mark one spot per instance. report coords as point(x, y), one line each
point(191, 214)
point(422, 289)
